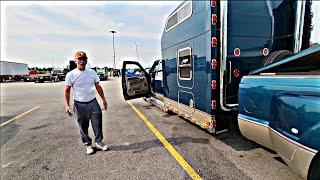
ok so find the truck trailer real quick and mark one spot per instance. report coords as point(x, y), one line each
point(12, 71)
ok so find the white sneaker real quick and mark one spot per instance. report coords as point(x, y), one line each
point(89, 150)
point(102, 146)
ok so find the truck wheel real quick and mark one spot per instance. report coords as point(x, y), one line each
point(276, 56)
point(314, 170)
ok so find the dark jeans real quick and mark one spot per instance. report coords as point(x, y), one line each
point(84, 112)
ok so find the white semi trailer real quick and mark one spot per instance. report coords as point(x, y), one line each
point(13, 71)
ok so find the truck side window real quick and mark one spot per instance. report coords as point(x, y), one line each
point(181, 14)
point(185, 63)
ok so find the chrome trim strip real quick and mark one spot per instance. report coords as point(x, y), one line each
point(298, 32)
point(223, 49)
point(282, 76)
point(223, 54)
point(279, 134)
point(254, 122)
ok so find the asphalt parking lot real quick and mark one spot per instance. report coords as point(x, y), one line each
point(45, 144)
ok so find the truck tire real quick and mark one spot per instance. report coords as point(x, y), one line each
point(314, 170)
point(276, 56)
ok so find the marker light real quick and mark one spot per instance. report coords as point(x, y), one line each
point(236, 52)
point(214, 42)
point(213, 84)
point(236, 73)
point(214, 63)
point(213, 104)
point(214, 19)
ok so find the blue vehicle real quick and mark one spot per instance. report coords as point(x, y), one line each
point(207, 46)
point(279, 107)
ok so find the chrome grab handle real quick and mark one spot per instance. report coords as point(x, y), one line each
point(230, 74)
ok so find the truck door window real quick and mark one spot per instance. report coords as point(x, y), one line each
point(185, 63)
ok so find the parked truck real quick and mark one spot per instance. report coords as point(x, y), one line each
point(12, 71)
point(208, 46)
point(101, 72)
point(279, 107)
point(58, 74)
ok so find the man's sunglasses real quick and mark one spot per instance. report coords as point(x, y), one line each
point(82, 58)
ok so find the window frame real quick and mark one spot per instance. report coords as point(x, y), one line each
point(182, 66)
point(176, 11)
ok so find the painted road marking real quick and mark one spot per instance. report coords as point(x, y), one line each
point(19, 116)
point(184, 164)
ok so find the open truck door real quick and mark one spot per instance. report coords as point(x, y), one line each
point(135, 81)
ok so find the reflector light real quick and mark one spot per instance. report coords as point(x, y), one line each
point(265, 51)
point(213, 3)
point(214, 19)
point(213, 104)
point(236, 73)
point(214, 63)
point(214, 42)
point(213, 84)
point(212, 124)
point(236, 52)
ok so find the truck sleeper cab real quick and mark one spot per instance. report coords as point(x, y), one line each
point(279, 107)
point(207, 46)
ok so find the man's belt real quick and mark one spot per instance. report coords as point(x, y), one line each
point(85, 102)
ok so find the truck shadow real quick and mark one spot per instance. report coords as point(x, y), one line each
point(145, 145)
point(233, 138)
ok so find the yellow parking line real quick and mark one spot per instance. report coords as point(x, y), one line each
point(184, 164)
point(19, 116)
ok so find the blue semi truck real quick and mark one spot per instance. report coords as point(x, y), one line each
point(208, 46)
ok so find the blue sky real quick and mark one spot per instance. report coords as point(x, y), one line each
point(45, 33)
point(39, 33)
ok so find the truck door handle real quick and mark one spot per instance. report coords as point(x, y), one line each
point(230, 72)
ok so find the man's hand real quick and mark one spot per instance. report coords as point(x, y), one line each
point(69, 111)
point(105, 105)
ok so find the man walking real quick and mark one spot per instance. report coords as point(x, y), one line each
point(86, 107)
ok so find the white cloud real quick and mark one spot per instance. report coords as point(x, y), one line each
point(19, 19)
point(90, 3)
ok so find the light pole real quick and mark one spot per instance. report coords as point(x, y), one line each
point(114, 53)
point(137, 51)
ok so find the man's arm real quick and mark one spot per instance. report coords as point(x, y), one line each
point(100, 92)
point(67, 90)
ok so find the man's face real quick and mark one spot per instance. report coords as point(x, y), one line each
point(81, 63)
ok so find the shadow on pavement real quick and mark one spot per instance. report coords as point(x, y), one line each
point(142, 146)
point(5, 118)
point(8, 131)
